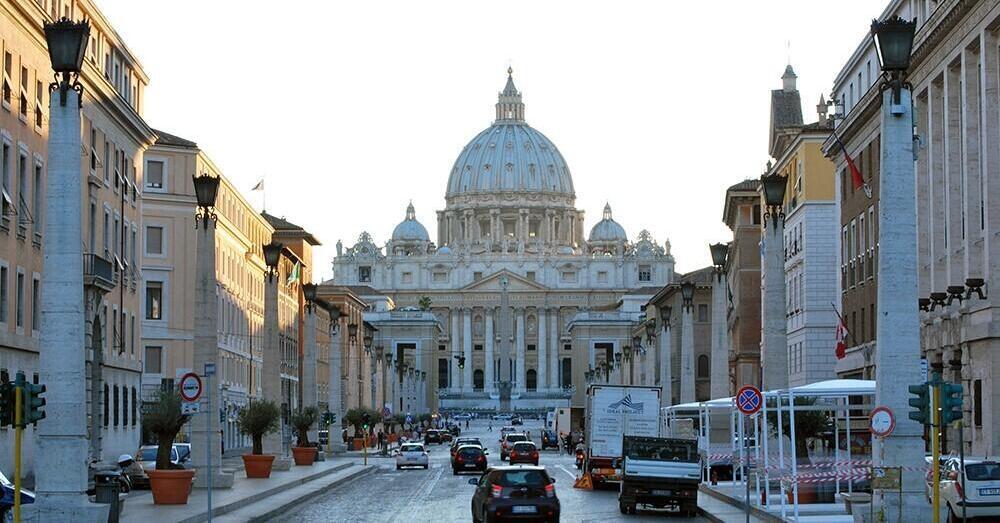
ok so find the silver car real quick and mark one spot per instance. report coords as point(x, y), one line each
point(411, 455)
point(145, 459)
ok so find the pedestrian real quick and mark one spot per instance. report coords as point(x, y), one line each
point(490, 426)
point(343, 435)
point(381, 437)
point(466, 423)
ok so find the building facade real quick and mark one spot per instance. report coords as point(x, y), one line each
point(954, 74)
point(114, 135)
point(810, 238)
point(742, 214)
point(509, 227)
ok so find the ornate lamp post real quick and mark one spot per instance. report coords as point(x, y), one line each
point(62, 435)
point(666, 353)
point(774, 357)
point(310, 352)
point(719, 384)
point(366, 340)
point(271, 353)
point(687, 342)
point(627, 350)
point(897, 357)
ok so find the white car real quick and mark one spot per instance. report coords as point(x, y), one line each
point(411, 455)
point(982, 488)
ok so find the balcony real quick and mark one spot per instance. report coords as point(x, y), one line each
point(98, 272)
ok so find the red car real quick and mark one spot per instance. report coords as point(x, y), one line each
point(523, 452)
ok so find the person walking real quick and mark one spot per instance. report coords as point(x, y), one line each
point(490, 427)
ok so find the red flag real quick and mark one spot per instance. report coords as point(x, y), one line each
point(841, 335)
point(856, 178)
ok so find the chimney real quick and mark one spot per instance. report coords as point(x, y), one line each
point(788, 79)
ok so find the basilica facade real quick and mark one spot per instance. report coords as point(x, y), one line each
point(509, 234)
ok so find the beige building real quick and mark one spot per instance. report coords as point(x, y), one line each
point(954, 74)
point(742, 214)
point(353, 388)
point(114, 135)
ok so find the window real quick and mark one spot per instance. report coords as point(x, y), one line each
point(703, 366)
point(440, 277)
point(407, 277)
point(24, 93)
point(442, 373)
point(477, 346)
point(8, 188)
point(531, 379)
point(154, 360)
point(23, 197)
point(977, 403)
point(116, 406)
point(154, 174)
point(365, 274)
point(566, 373)
point(107, 231)
point(135, 403)
point(531, 275)
point(154, 240)
point(645, 273)
point(530, 347)
point(756, 214)
point(567, 347)
point(19, 313)
point(107, 162)
point(568, 276)
point(8, 71)
point(36, 305)
point(154, 300)
point(702, 312)
point(3, 294)
point(124, 405)
point(442, 347)
point(36, 207)
point(476, 276)
point(477, 379)
point(602, 276)
point(38, 104)
point(107, 402)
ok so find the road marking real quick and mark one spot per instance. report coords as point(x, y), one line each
point(406, 509)
point(570, 474)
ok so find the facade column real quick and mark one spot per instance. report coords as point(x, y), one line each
point(720, 346)
point(454, 381)
point(467, 349)
point(310, 395)
point(62, 435)
point(271, 368)
point(206, 350)
point(488, 370)
point(554, 360)
point(335, 400)
point(519, 340)
point(774, 346)
point(543, 377)
point(687, 394)
point(897, 359)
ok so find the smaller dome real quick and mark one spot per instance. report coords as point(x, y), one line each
point(607, 230)
point(444, 250)
point(410, 229)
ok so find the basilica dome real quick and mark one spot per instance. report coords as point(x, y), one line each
point(510, 156)
point(607, 230)
point(410, 230)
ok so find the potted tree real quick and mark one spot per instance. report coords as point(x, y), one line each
point(355, 418)
point(170, 483)
point(258, 418)
point(303, 421)
point(391, 423)
point(809, 425)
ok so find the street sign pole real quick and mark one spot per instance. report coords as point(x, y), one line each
point(209, 412)
point(748, 401)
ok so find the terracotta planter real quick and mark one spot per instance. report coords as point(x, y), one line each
point(258, 465)
point(358, 443)
point(170, 487)
point(393, 438)
point(304, 456)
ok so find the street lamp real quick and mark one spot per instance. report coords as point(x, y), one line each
point(67, 43)
point(206, 188)
point(309, 293)
point(650, 331)
point(352, 332)
point(687, 294)
point(774, 196)
point(893, 43)
point(665, 311)
point(637, 343)
point(368, 338)
point(272, 255)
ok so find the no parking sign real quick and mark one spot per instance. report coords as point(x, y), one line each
point(749, 400)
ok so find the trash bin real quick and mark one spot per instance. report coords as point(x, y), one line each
point(106, 489)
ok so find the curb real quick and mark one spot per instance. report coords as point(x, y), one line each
point(280, 509)
point(220, 510)
point(756, 512)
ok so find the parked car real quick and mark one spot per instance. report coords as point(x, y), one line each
point(981, 488)
point(506, 430)
point(462, 417)
point(432, 436)
point(468, 457)
point(508, 441)
point(145, 458)
point(411, 455)
point(502, 416)
point(928, 483)
point(515, 492)
point(465, 441)
point(7, 498)
point(550, 439)
point(523, 452)
point(516, 420)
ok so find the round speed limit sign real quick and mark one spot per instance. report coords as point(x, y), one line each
point(882, 422)
point(190, 386)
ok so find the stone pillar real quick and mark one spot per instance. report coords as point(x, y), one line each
point(774, 346)
point(519, 340)
point(206, 350)
point(543, 377)
point(467, 349)
point(687, 394)
point(310, 396)
point(335, 400)
point(720, 345)
point(554, 363)
point(666, 370)
point(271, 368)
point(488, 370)
point(61, 453)
point(454, 381)
point(897, 358)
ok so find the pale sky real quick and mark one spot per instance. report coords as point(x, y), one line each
point(352, 109)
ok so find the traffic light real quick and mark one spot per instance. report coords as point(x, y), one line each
point(6, 400)
point(951, 402)
point(365, 420)
point(461, 362)
point(921, 404)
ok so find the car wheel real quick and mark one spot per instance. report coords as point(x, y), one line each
point(952, 518)
point(622, 507)
point(454, 472)
point(398, 467)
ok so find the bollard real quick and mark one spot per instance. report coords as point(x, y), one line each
point(106, 489)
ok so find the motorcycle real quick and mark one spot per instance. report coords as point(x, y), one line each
point(7, 498)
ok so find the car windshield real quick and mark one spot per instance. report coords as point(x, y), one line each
point(661, 450)
point(983, 471)
point(147, 454)
point(524, 446)
point(468, 442)
point(182, 452)
point(469, 451)
point(523, 478)
point(411, 448)
point(511, 438)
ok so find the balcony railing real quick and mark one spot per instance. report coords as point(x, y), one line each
point(98, 272)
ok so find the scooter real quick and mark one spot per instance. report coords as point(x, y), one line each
point(7, 499)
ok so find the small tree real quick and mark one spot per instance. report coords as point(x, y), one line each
point(808, 424)
point(393, 421)
point(258, 418)
point(424, 303)
point(303, 421)
point(163, 418)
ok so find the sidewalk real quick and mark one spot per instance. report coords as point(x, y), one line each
point(249, 498)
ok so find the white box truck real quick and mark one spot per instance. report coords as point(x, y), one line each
point(614, 411)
